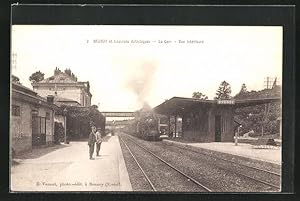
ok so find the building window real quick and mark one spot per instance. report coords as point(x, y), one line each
point(16, 110)
point(47, 115)
point(50, 89)
point(43, 125)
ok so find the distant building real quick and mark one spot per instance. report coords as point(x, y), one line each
point(32, 119)
point(65, 88)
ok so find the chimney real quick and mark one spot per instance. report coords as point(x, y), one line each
point(56, 71)
point(50, 99)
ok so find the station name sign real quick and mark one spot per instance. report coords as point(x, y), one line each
point(225, 102)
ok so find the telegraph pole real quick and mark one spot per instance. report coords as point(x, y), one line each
point(269, 83)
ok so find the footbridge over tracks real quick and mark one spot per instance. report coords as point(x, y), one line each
point(118, 118)
point(118, 114)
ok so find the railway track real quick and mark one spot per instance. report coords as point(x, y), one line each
point(236, 163)
point(229, 168)
point(271, 173)
point(151, 183)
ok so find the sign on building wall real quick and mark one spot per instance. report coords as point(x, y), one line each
point(225, 102)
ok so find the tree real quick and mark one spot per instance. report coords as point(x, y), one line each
point(223, 91)
point(199, 95)
point(243, 89)
point(15, 79)
point(36, 77)
point(80, 120)
point(252, 117)
point(243, 92)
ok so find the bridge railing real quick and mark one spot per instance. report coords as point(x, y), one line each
point(118, 114)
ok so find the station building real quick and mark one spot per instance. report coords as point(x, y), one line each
point(32, 119)
point(65, 88)
point(204, 120)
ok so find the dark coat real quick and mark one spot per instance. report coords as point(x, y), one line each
point(92, 139)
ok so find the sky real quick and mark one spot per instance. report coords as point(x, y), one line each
point(124, 74)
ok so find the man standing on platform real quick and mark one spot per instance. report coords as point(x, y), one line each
point(98, 141)
point(91, 142)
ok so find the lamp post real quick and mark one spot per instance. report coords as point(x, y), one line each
point(236, 135)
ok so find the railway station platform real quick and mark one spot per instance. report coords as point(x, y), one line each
point(68, 168)
point(270, 155)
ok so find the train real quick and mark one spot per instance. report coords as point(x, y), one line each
point(145, 125)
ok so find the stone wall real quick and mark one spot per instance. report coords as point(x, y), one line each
point(73, 93)
point(85, 99)
point(21, 126)
point(202, 124)
point(196, 126)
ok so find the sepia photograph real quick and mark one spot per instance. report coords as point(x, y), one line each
point(143, 108)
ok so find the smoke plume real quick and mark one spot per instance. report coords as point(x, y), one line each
point(141, 80)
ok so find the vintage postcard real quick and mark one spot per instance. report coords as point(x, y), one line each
point(146, 108)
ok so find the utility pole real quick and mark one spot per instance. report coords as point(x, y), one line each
point(269, 83)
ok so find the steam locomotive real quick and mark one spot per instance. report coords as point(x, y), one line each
point(145, 125)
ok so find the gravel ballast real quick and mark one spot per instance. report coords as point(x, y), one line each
point(211, 172)
point(163, 177)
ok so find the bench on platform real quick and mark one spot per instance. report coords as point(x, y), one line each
point(264, 143)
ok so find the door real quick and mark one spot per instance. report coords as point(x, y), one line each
point(35, 130)
point(38, 130)
point(217, 128)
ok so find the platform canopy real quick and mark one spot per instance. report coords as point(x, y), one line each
point(258, 101)
point(179, 105)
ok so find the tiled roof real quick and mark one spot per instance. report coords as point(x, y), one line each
point(22, 88)
point(25, 94)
